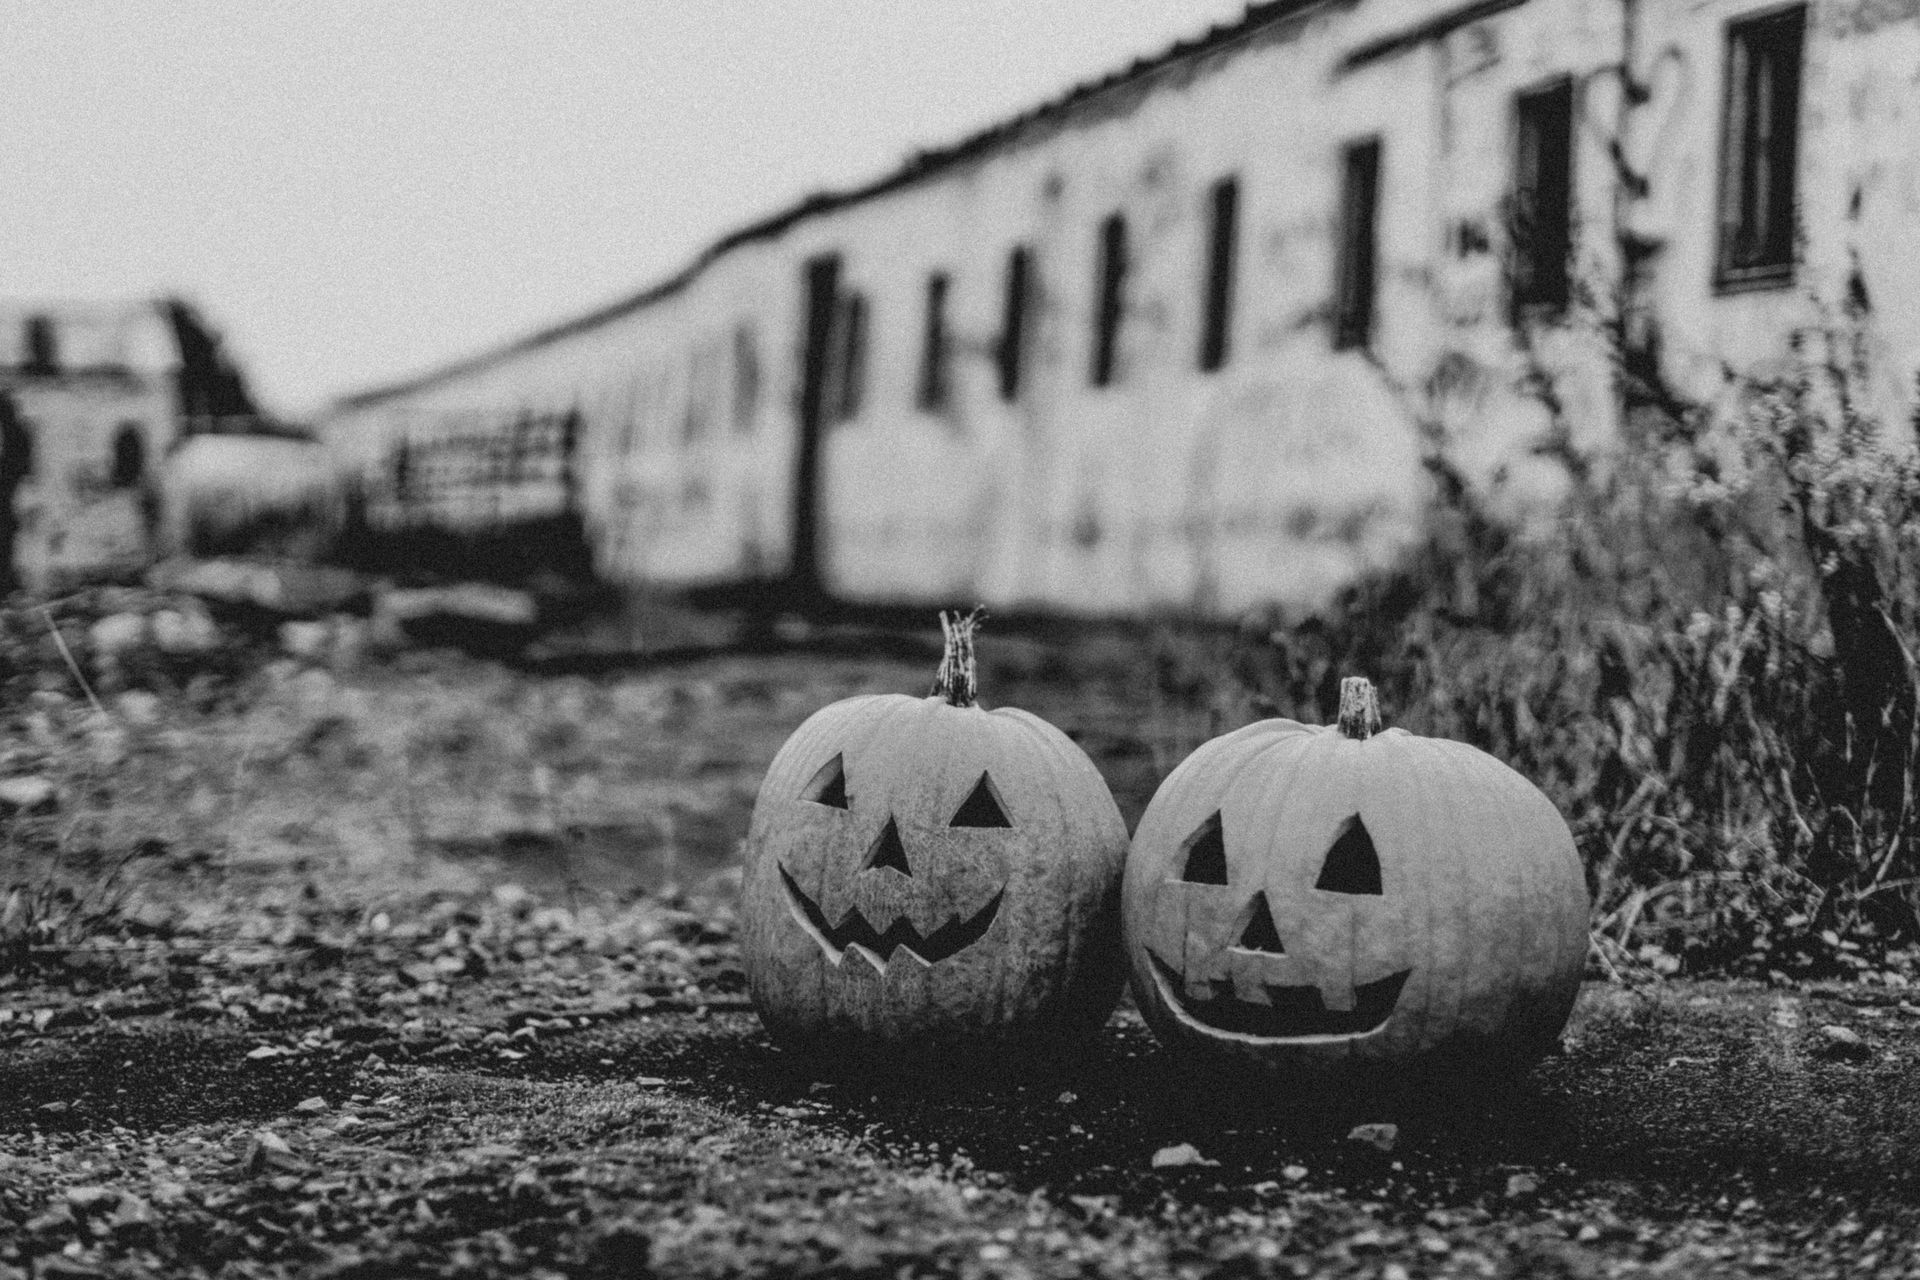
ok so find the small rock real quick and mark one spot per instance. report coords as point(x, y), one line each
point(131, 1213)
point(1381, 1136)
point(1841, 1044)
point(108, 744)
point(1068, 1098)
point(268, 1152)
point(30, 794)
point(188, 630)
point(117, 633)
point(264, 1052)
point(1522, 1185)
point(272, 1142)
point(308, 641)
point(138, 706)
point(311, 1106)
point(57, 1220)
point(88, 1199)
point(1294, 1172)
point(1180, 1156)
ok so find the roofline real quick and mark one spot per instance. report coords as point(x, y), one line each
point(1258, 18)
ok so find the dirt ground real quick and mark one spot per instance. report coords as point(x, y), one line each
point(427, 967)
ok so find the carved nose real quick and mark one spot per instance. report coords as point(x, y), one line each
point(887, 851)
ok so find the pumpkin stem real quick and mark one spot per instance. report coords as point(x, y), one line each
point(958, 679)
point(1359, 708)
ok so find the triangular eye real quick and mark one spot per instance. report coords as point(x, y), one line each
point(981, 808)
point(829, 786)
point(1353, 865)
point(887, 851)
point(1206, 854)
point(1260, 933)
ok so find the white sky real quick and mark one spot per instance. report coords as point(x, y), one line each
point(354, 191)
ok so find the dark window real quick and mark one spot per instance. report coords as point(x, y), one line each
point(933, 351)
point(1359, 244)
point(16, 460)
point(1216, 331)
point(1013, 326)
point(849, 368)
point(746, 378)
point(129, 463)
point(1759, 149)
point(699, 387)
point(42, 347)
point(1112, 299)
point(1542, 211)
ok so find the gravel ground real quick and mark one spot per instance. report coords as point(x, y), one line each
point(429, 969)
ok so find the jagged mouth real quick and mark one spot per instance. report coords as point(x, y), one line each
point(1290, 1013)
point(854, 935)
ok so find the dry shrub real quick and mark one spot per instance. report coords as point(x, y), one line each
point(1707, 664)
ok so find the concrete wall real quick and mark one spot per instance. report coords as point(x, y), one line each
point(1295, 466)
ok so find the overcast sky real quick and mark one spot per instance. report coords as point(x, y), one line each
point(355, 191)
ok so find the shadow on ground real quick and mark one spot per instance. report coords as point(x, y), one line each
point(1690, 1109)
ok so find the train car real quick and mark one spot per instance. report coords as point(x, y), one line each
point(1196, 336)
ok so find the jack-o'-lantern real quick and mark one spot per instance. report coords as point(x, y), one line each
point(1306, 896)
point(923, 872)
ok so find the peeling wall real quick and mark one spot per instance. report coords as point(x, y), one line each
point(1295, 466)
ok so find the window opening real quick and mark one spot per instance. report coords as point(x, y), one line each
point(1014, 322)
point(1222, 247)
point(129, 463)
point(1110, 304)
point(1359, 217)
point(933, 353)
point(1541, 215)
point(1760, 126)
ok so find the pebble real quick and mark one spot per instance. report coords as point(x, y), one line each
point(1382, 1136)
point(28, 794)
point(117, 633)
point(1179, 1156)
point(87, 1199)
point(1841, 1042)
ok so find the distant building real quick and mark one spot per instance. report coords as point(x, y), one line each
point(93, 397)
point(1192, 335)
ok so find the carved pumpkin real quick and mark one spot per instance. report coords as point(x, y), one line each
point(921, 871)
point(1307, 896)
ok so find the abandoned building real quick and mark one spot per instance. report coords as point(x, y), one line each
point(1184, 336)
point(93, 398)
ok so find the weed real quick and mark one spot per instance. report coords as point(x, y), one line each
point(1706, 662)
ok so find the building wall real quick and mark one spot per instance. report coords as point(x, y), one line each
point(72, 518)
point(1296, 465)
